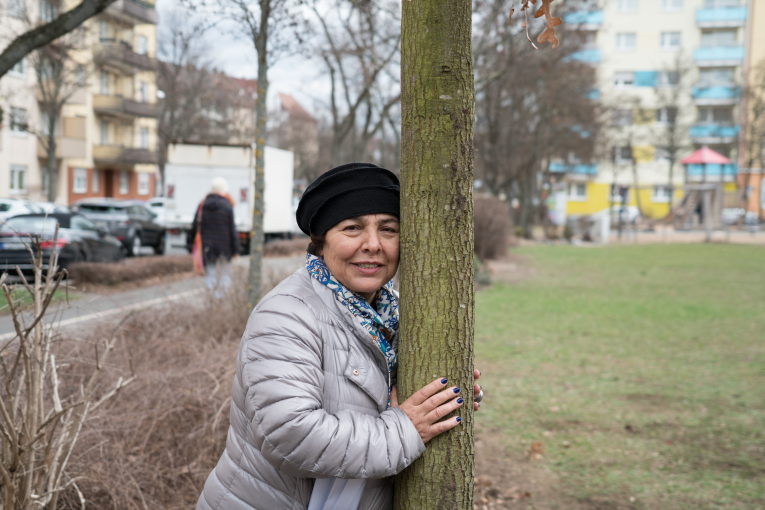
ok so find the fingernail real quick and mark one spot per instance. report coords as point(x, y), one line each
point(459, 401)
point(456, 390)
point(444, 380)
point(479, 404)
point(479, 373)
point(480, 386)
point(459, 419)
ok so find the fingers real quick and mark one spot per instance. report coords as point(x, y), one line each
point(443, 426)
point(476, 374)
point(425, 392)
point(442, 410)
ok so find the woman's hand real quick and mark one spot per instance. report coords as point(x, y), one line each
point(430, 404)
point(476, 388)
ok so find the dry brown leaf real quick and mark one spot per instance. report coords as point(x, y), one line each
point(510, 18)
point(549, 32)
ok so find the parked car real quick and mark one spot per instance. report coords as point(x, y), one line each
point(157, 206)
point(79, 240)
point(10, 207)
point(129, 220)
point(51, 207)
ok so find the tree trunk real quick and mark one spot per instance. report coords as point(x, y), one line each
point(52, 167)
point(257, 236)
point(437, 305)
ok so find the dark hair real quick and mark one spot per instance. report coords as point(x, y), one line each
point(317, 244)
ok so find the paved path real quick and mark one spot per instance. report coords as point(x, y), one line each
point(113, 307)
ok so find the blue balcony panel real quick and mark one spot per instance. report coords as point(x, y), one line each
point(645, 78)
point(580, 169)
point(719, 55)
point(714, 131)
point(588, 56)
point(721, 17)
point(716, 92)
point(594, 94)
point(591, 18)
point(713, 170)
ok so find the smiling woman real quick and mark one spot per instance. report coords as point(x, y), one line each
point(314, 406)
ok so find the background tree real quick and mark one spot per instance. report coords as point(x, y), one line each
point(437, 305)
point(359, 45)
point(753, 137)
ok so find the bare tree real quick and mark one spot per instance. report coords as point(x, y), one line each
point(753, 137)
point(360, 49)
point(672, 107)
point(59, 77)
point(40, 421)
point(45, 33)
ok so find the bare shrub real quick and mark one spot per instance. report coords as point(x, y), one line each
point(155, 446)
point(128, 270)
point(492, 227)
point(286, 247)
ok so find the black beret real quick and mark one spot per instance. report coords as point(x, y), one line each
point(345, 192)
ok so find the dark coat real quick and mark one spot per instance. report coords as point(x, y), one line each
point(219, 237)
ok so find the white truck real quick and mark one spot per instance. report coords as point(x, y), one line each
point(190, 169)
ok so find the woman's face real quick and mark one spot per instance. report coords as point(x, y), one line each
point(362, 252)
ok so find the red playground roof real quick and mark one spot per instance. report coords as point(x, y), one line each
point(705, 155)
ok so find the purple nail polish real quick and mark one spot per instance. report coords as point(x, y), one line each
point(456, 390)
point(444, 380)
point(459, 401)
point(459, 419)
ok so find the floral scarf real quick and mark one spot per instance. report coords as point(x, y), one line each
point(380, 322)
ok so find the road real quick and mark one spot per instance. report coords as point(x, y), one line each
point(92, 308)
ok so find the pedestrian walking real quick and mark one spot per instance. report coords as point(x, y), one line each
point(216, 241)
point(315, 421)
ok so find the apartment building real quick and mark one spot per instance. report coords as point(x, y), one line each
point(107, 133)
point(670, 73)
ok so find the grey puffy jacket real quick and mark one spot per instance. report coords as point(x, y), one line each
point(308, 401)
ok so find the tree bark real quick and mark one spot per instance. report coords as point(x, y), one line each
point(257, 236)
point(437, 304)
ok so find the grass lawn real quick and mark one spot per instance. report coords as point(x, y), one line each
point(640, 368)
point(23, 296)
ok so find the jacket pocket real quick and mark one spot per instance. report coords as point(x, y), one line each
point(363, 372)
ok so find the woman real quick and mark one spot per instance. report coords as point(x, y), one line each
point(314, 395)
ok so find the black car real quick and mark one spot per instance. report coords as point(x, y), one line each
point(79, 240)
point(129, 220)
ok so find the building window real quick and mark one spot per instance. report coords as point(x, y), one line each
point(622, 117)
point(661, 194)
point(626, 41)
point(672, 5)
point(143, 45)
point(661, 154)
point(718, 115)
point(104, 83)
point(670, 41)
point(624, 79)
point(17, 8)
point(80, 180)
point(18, 120)
point(18, 179)
point(623, 154)
point(715, 38)
point(104, 132)
point(143, 90)
point(124, 182)
point(712, 77)
point(667, 79)
point(103, 30)
point(666, 116)
point(143, 183)
point(19, 70)
point(627, 5)
point(47, 11)
point(143, 138)
point(577, 191)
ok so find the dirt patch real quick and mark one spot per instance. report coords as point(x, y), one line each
point(286, 247)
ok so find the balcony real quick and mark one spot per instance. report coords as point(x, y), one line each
point(714, 133)
point(119, 54)
point(70, 144)
point(588, 56)
point(721, 17)
point(119, 156)
point(133, 12)
point(712, 172)
point(118, 106)
point(592, 20)
point(716, 95)
point(719, 56)
point(575, 169)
